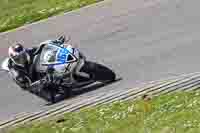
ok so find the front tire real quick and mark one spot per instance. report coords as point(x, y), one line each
point(98, 72)
point(49, 94)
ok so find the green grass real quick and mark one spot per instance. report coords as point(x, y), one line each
point(15, 13)
point(177, 113)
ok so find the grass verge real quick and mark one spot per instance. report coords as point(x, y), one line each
point(176, 113)
point(15, 13)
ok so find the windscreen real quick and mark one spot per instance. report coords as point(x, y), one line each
point(52, 54)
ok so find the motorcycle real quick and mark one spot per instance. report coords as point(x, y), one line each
point(63, 57)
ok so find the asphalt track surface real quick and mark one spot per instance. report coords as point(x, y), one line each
point(141, 40)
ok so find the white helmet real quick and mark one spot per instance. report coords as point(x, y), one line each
point(18, 54)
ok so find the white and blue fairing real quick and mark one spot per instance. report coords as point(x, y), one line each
point(56, 56)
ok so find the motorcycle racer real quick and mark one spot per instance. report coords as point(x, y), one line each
point(21, 63)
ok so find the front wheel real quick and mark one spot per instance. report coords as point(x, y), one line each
point(49, 94)
point(98, 72)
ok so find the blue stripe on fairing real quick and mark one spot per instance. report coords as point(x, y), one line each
point(62, 55)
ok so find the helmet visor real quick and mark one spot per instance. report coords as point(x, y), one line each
point(20, 59)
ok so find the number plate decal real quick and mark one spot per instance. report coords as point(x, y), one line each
point(62, 55)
